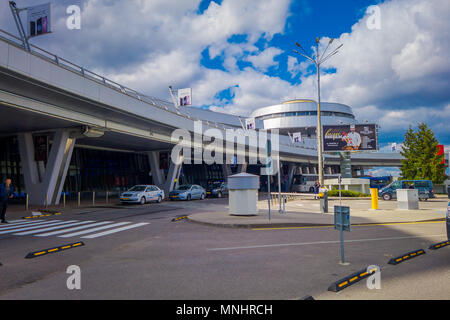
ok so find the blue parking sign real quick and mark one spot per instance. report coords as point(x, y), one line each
point(342, 218)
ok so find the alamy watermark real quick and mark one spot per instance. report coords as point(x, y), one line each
point(73, 22)
point(373, 21)
point(74, 280)
point(374, 280)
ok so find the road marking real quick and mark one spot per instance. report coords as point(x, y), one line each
point(35, 227)
point(353, 225)
point(96, 235)
point(93, 230)
point(10, 223)
point(22, 225)
point(322, 242)
point(73, 229)
point(51, 228)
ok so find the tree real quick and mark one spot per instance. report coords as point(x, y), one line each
point(421, 160)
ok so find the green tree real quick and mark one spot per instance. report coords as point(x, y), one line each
point(420, 152)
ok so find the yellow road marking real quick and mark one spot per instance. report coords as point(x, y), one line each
point(355, 225)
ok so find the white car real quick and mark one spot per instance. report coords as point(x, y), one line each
point(142, 194)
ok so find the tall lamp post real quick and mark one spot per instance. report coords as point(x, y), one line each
point(318, 60)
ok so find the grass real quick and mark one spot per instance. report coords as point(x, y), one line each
point(347, 193)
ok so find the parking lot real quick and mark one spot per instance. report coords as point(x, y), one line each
point(146, 255)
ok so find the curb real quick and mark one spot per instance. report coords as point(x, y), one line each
point(41, 253)
point(439, 245)
point(351, 279)
point(406, 256)
point(293, 224)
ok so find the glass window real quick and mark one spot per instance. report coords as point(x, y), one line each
point(137, 188)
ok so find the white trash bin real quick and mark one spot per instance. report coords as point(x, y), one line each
point(408, 199)
point(243, 194)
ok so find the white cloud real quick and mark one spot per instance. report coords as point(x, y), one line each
point(265, 59)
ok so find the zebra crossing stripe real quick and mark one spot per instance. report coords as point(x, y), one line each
point(93, 230)
point(51, 228)
point(10, 224)
point(36, 227)
point(17, 225)
point(30, 225)
point(72, 229)
point(96, 235)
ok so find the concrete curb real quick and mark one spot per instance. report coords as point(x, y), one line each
point(293, 224)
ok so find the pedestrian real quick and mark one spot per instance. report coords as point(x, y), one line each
point(316, 190)
point(6, 193)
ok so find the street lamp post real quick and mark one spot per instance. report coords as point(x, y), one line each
point(318, 60)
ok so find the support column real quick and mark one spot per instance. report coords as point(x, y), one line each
point(291, 172)
point(157, 174)
point(226, 170)
point(173, 175)
point(46, 185)
point(243, 168)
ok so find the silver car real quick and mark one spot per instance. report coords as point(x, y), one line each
point(142, 194)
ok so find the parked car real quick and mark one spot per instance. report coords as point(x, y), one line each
point(142, 194)
point(188, 192)
point(425, 188)
point(217, 189)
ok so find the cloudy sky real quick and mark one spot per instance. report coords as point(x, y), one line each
point(393, 69)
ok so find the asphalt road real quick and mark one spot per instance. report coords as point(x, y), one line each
point(183, 260)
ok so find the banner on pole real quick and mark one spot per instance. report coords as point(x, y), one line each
point(39, 20)
point(250, 124)
point(185, 97)
point(297, 137)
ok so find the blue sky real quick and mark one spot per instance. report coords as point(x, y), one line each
point(237, 55)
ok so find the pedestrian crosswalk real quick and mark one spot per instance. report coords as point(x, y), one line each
point(66, 229)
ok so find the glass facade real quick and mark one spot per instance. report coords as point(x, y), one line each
point(201, 174)
point(10, 163)
point(99, 170)
point(89, 170)
point(306, 113)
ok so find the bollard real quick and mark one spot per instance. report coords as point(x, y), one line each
point(26, 202)
point(324, 203)
point(79, 198)
point(64, 200)
point(107, 197)
point(374, 193)
point(93, 198)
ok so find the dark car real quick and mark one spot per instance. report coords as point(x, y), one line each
point(217, 189)
point(424, 187)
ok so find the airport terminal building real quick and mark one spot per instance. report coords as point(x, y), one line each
point(66, 129)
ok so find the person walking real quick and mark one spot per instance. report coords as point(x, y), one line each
point(316, 190)
point(6, 193)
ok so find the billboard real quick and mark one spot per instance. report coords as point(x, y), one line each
point(351, 137)
point(440, 152)
point(39, 19)
point(185, 97)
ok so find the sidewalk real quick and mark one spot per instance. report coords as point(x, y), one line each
point(306, 213)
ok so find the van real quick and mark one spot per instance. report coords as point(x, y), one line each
point(425, 188)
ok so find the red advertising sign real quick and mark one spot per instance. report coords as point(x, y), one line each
point(441, 152)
